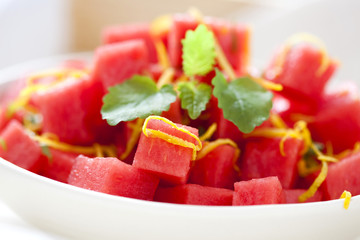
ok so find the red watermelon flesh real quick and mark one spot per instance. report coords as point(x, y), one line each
point(337, 121)
point(194, 194)
point(299, 71)
point(20, 148)
point(342, 176)
point(110, 175)
point(65, 109)
point(234, 40)
point(120, 33)
point(174, 112)
point(58, 166)
point(262, 158)
point(168, 161)
point(292, 196)
point(258, 191)
point(115, 63)
point(216, 169)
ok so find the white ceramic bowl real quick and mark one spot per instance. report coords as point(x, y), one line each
point(82, 214)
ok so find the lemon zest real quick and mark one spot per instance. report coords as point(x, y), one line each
point(268, 84)
point(89, 150)
point(304, 171)
point(172, 139)
point(299, 38)
point(134, 138)
point(166, 77)
point(162, 54)
point(209, 147)
point(277, 121)
point(346, 195)
point(347, 152)
point(209, 132)
point(316, 184)
point(98, 150)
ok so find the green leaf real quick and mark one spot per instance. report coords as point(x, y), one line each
point(138, 97)
point(244, 102)
point(194, 98)
point(198, 51)
point(3, 144)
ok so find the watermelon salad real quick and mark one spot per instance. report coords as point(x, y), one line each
point(170, 111)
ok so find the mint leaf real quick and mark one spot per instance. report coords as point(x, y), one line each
point(138, 97)
point(194, 98)
point(46, 151)
point(198, 51)
point(244, 102)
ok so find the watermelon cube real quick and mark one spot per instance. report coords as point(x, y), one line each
point(66, 109)
point(115, 63)
point(110, 175)
point(168, 161)
point(299, 71)
point(292, 195)
point(216, 169)
point(342, 176)
point(19, 148)
point(120, 33)
point(262, 158)
point(258, 191)
point(58, 165)
point(174, 112)
point(337, 121)
point(194, 194)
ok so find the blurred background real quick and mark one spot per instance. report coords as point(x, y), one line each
point(32, 29)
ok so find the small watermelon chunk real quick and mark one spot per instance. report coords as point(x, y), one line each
point(168, 161)
point(262, 158)
point(194, 194)
point(258, 191)
point(342, 176)
point(292, 195)
point(233, 38)
point(120, 33)
point(115, 63)
point(58, 165)
point(299, 71)
point(19, 148)
point(174, 112)
point(337, 121)
point(216, 169)
point(110, 175)
point(65, 109)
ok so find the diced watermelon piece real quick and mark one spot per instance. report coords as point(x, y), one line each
point(292, 195)
point(234, 40)
point(120, 33)
point(19, 148)
point(337, 121)
point(262, 158)
point(216, 169)
point(342, 176)
point(115, 63)
point(66, 108)
point(110, 175)
point(227, 129)
point(174, 112)
point(194, 194)
point(168, 161)
point(258, 191)
point(299, 73)
point(58, 165)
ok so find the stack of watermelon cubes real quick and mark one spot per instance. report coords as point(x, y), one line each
point(60, 134)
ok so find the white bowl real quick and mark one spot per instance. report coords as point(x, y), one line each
point(82, 214)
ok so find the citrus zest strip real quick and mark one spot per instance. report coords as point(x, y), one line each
point(277, 121)
point(267, 84)
point(90, 150)
point(316, 184)
point(209, 132)
point(166, 77)
point(169, 138)
point(160, 25)
point(162, 54)
point(346, 195)
point(134, 137)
